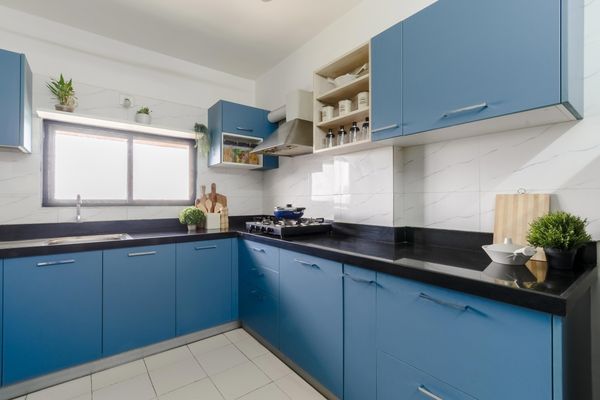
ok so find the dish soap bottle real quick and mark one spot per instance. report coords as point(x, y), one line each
point(365, 130)
point(354, 133)
point(342, 136)
point(330, 139)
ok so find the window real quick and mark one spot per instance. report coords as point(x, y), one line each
point(108, 167)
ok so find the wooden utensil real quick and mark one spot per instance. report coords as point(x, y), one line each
point(201, 207)
point(218, 198)
point(203, 198)
point(514, 213)
point(218, 207)
point(209, 205)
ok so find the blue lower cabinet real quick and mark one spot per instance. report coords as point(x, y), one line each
point(259, 311)
point(398, 380)
point(360, 361)
point(139, 297)
point(311, 316)
point(52, 313)
point(204, 291)
point(488, 349)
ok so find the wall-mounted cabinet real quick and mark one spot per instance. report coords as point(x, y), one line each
point(346, 79)
point(15, 101)
point(465, 67)
point(235, 129)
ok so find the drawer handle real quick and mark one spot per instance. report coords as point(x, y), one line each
point(456, 306)
point(258, 250)
point(306, 263)
point(257, 272)
point(427, 393)
point(361, 280)
point(474, 107)
point(385, 128)
point(241, 128)
point(143, 253)
point(50, 263)
point(198, 248)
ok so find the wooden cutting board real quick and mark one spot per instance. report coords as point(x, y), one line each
point(514, 213)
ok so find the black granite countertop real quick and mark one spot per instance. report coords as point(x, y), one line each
point(448, 259)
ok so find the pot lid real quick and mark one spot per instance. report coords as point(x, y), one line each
point(289, 207)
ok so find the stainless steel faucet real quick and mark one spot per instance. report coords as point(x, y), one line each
point(78, 205)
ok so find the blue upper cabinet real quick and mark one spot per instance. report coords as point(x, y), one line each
point(461, 61)
point(204, 290)
point(386, 84)
point(139, 297)
point(15, 101)
point(311, 316)
point(232, 129)
point(52, 313)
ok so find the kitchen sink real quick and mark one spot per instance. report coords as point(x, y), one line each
point(64, 240)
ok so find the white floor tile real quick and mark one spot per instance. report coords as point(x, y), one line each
point(240, 380)
point(237, 334)
point(251, 347)
point(221, 359)
point(138, 388)
point(168, 357)
point(272, 366)
point(64, 391)
point(208, 344)
point(201, 390)
point(19, 398)
point(175, 376)
point(87, 396)
point(297, 389)
point(118, 374)
point(269, 392)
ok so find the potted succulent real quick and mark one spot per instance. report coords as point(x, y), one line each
point(560, 234)
point(202, 138)
point(142, 116)
point(192, 217)
point(64, 92)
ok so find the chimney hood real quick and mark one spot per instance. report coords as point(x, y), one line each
point(294, 137)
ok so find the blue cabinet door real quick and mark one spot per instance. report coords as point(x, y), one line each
point(204, 292)
point(360, 353)
point(467, 60)
point(52, 313)
point(311, 316)
point(386, 84)
point(473, 344)
point(15, 101)
point(139, 297)
point(259, 311)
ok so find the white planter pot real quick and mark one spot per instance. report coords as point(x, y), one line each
point(191, 228)
point(143, 118)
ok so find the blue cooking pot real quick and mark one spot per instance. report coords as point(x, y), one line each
point(289, 212)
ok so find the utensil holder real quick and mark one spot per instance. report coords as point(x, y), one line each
point(213, 221)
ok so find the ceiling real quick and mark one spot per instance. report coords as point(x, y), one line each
point(242, 37)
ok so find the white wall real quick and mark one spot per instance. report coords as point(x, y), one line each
point(178, 92)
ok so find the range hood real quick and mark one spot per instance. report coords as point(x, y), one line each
point(294, 137)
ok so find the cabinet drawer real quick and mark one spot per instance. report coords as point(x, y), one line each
point(260, 312)
point(245, 120)
point(397, 380)
point(471, 343)
point(254, 253)
point(262, 278)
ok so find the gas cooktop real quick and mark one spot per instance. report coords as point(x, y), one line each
point(288, 227)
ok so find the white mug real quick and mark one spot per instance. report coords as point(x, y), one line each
point(345, 107)
point(362, 100)
point(326, 113)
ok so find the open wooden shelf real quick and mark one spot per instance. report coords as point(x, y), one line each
point(346, 91)
point(357, 116)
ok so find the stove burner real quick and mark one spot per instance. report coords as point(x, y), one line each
point(288, 227)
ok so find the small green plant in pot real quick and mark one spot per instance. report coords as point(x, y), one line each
point(64, 92)
point(142, 116)
point(192, 217)
point(560, 234)
point(202, 138)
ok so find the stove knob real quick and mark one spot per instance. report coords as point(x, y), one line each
point(263, 229)
point(270, 230)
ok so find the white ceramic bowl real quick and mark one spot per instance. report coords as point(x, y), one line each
point(344, 79)
point(509, 254)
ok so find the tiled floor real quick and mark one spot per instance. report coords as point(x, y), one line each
point(228, 366)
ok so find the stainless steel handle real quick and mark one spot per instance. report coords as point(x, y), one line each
point(360, 280)
point(460, 307)
point(241, 128)
point(465, 109)
point(197, 248)
point(257, 272)
point(50, 263)
point(306, 263)
point(143, 253)
point(427, 393)
point(385, 128)
point(258, 250)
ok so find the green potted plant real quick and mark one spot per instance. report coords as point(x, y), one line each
point(142, 116)
point(202, 138)
point(192, 217)
point(560, 234)
point(64, 93)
